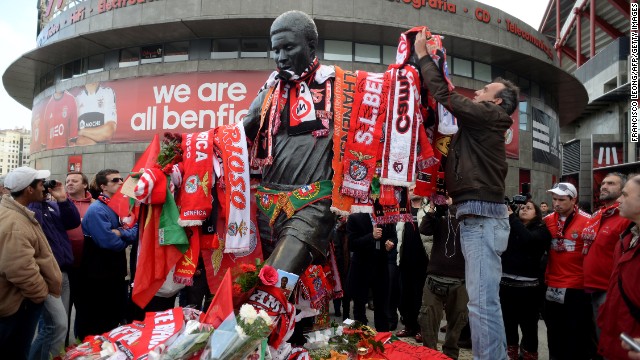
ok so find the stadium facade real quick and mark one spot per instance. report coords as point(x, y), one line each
point(128, 69)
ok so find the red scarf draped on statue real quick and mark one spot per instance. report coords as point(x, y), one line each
point(195, 196)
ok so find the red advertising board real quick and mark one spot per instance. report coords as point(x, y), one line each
point(74, 163)
point(133, 110)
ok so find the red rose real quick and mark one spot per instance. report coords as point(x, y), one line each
point(248, 268)
point(268, 275)
point(237, 289)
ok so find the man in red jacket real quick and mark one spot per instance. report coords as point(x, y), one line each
point(568, 315)
point(600, 236)
point(77, 186)
point(621, 309)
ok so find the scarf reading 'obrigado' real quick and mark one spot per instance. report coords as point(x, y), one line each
point(231, 142)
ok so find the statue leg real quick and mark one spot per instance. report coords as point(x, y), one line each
point(295, 243)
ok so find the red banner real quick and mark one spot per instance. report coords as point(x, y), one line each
point(134, 110)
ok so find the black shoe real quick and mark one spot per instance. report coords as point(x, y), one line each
point(338, 313)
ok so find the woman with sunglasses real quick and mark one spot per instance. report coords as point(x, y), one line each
point(519, 288)
point(101, 304)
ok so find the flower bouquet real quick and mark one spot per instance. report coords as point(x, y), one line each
point(248, 277)
point(238, 337)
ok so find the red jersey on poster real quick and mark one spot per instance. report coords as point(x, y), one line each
point(60, 118)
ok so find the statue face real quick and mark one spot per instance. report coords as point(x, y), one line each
point(292, 51)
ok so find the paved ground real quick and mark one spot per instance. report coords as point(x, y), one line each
point(465, 354)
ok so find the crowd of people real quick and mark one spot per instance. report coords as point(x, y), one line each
point(565, 267)
point(474, 258)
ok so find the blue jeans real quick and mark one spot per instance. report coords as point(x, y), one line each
point(16, 331)
point(52, 329)
point(483, 240)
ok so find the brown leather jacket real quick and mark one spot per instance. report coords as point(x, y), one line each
point(476, 163)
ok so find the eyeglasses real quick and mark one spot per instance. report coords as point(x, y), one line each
point(564, 187)
point(561, 186)
point(116, 180)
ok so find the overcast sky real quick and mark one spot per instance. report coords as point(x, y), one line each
point(18, 36)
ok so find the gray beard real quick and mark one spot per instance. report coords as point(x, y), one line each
point(609, 197)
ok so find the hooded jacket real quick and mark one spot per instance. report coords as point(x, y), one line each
point(28, 268)
point(56, 218)
point(476, 162)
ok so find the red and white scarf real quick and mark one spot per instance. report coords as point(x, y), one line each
point(403, 123)
point(306, 115)
point(365, 130)
point(231, 142)
point(195, 198)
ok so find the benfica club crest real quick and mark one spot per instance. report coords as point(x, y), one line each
point(192, 183)
point(357, 169)
point(253, 242)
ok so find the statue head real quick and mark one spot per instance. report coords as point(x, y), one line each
point(294, 38)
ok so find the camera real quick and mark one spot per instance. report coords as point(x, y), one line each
point(519, 199)
point(49, 184)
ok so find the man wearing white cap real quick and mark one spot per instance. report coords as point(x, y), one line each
point(568, 315)
point(28, 270)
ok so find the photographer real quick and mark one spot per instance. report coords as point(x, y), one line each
point(519, 287)
point(56, 217)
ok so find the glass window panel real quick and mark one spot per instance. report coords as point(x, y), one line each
point(338, 50)
point(67, 70)
point(80, 67)
point(151, 54)
point(388, 55)
point(523, 115)
point(254, 48)
point(129, 57)
point(462, 67)
point(368, 53)
point(224, 49)
point(482, 71)
point(176, 51)
point(96, 63)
